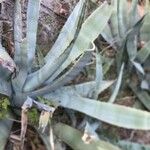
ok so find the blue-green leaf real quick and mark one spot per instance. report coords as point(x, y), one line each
point(33, 10)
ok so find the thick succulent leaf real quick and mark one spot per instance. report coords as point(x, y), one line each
point(143, 96)
point(86, 89)
point(5, 86)
point(139, 67)
point(68, 76)
point(6, 61)
point(114, 23)
point(82, 60)
point(118, 85)
point(145, 30)
point(114, 114)
point(132, 46)
point(17, 29)
point(67, 33)
point(121, 56)
point(126, 145)
point(21, 61)
point(144, 53)
point(132, 38)
point(32, 24)
point(34, 80)
point(133, 14)
point(59, 51)
point(5, 127)
point(90, 30)
point(73, 138)
point(145, 85)
point(122, 17)
point(99, 75)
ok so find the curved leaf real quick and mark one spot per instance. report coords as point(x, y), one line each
point(144, 53)
point(73, 138)
point(66, 77)
point(114, 114)
point(67, 33)
point(5, 127)
point(34, 80)
point(6, 61)
point(5, 87)
point(117, 87)
point(60, 50)
point(90, 30)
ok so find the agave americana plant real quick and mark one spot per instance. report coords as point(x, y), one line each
point(21, 81)
point(125, 32)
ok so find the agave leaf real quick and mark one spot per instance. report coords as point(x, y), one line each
point(61, 51)
point(126, 145)
point(144, 53)
point(5, 127)
point(67, 33)
point(90, 30)
point(133, 14)
point(145, 31)
point(87, 33)
point(82, 60)
point(139, 67)
point(147, 6)
point(114, 114)
point(32, 24)
point(86, 89)
point(132, 46)
point(17, 29)
point(34, 80)
point(72, 137)
point(145, 85)
point(122, 17)
point(5, 86)
point(66, 77)
point(132, 38)
point(122, 55)
point(6, 61)
point(143, 96)
point(99, 75)
point(114, 23)
point(117, 87)
point(21, 60)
